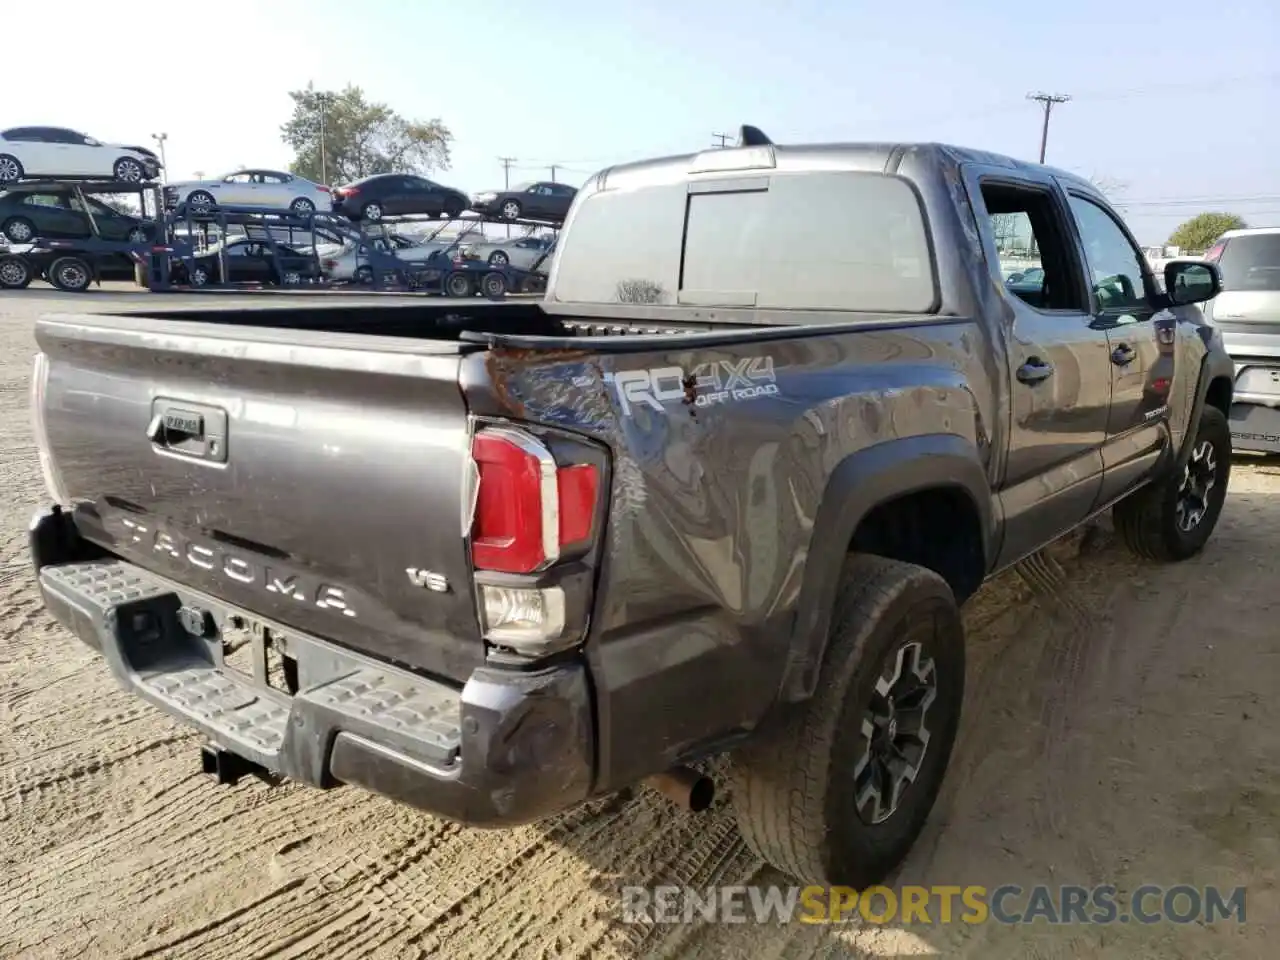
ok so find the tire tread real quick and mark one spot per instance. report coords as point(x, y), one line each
point(779, 782)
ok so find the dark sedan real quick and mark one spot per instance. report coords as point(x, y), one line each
point(250, 261)
point(397, 195)
point(544, 201)
point(29, 211)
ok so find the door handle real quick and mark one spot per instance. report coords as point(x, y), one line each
point(1123, 355)
point(1034, 371)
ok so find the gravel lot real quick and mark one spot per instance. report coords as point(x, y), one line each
point(1121, 728)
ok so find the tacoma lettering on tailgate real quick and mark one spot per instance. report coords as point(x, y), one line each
point(218, 559)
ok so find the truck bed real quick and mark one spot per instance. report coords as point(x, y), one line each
point(435, 328)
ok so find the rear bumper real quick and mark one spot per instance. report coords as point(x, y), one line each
point(505, 749)
point(1255, 427)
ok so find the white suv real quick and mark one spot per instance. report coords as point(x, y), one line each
point(59, 152)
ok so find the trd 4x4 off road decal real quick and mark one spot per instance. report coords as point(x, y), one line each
point(714, 382)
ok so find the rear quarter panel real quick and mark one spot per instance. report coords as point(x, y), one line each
point(721, 460)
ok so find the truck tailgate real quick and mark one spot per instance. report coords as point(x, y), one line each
point(296, 475)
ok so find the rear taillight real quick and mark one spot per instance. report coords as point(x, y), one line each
point(330, 264)
point(322, 188)
point(346, 191)
point(529, 510)
point(529, 514)
point(1215, 252)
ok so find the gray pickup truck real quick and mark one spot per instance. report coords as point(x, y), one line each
point(722, 491)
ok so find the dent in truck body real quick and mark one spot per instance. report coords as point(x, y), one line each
point(716, 538)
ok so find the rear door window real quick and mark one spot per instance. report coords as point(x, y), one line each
point(1251, 262)
point(755, 241)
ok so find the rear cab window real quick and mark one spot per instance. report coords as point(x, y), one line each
point(847, 241)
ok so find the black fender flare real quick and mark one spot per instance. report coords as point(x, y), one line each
point(858, 484)
point(1215, 364)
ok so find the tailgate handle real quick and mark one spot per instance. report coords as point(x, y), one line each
point(193, 430)
point(171, 426)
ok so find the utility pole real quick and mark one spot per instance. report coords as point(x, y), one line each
point(1048, 99)
point(506, 179)
point(160, 138)
point(322, 100)
point(724, 139)
point(553, 173)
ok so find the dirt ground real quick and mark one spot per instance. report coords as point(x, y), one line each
point(1120, 728)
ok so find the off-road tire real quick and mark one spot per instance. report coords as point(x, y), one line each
point(1147, 519)
point(793, 787)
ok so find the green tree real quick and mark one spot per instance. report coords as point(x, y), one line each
point(360, 138)
point(1198, 233)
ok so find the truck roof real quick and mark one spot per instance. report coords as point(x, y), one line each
point(1248, 232)
point(863, 157)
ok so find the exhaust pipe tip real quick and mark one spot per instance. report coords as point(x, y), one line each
point(685, 787)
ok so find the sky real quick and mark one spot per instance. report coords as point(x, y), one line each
point(1174, 104)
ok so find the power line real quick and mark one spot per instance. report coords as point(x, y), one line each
point(1048, 99)
point(1183, 214)
point(1198, 201)
point(724, 139)
point(1210, 86)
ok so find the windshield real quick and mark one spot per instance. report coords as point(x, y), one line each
point(1251, 263)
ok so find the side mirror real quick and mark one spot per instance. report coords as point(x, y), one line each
point(1191, 281)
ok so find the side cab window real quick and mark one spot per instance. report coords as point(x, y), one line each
point(1118, 274)
point(1032, 247)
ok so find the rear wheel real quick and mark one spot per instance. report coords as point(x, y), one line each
point(71, 274)
point(19, 230)
point(137, 235)
point(129, 170)
point(199, 276)
point(838, 794)
point(1174, 518)
point(10, 169)
point(200, 202)
point(458, 284)
point(511, 210)
point(494, 285)
point(371, 212)
point(15, 273)
point(498, 259)
point(364, 275)
point(302, 207)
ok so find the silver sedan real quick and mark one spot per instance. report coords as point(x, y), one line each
point(347, 263)
point(519, 252)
